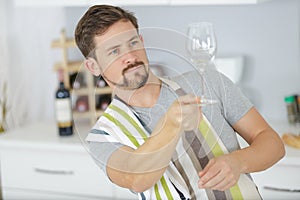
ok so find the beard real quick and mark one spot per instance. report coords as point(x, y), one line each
point(132, 80)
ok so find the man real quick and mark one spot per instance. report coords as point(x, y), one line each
point(153, 139)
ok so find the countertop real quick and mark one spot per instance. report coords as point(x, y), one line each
point(45, 133)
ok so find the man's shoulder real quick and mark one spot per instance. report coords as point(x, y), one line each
point(185, 77)
point(195, 75)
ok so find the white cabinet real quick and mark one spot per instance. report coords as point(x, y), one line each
point(133, 2)
point(129, 2)
point(38, 164)
point(215, 2)
point(278, 181)
point(29, 3)
point(282, 181)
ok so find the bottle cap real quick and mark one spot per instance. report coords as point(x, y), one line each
point(60, 74)
point(289, 99)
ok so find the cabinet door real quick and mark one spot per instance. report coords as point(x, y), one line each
point(279, 176)
point(62, 172)
point(14, 194)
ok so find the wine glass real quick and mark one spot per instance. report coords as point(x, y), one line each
point(201, 46)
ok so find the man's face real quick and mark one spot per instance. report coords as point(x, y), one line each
point(121, 56)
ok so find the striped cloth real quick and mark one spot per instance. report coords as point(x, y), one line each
point(193, 152)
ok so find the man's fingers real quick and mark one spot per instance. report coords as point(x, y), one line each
point(213, 182)
point(218, 174)
point(224, 185)
point(189, 99)
point(206, 168)
point(208, 172)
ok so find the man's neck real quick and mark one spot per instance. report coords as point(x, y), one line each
point(145, 96)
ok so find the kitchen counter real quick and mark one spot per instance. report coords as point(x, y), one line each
point(283, 178)
point(36, 163)
point(46, 134)
point(38, 147)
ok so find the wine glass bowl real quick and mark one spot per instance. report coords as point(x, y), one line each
point(201, 45)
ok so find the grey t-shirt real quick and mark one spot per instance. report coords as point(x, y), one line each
point(232, 105)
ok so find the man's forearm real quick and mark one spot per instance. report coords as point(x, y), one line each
point(265, 150)
point(139, 169)
point(155, 153)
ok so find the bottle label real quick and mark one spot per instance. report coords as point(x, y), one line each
point(63, 112)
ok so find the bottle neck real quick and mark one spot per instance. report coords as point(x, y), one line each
point(61, 85)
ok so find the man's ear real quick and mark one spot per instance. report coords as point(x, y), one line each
point(141, 38)
point(92, 65)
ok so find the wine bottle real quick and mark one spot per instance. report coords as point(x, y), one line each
point(63, 108)
point(99, 82)
point(103, 101)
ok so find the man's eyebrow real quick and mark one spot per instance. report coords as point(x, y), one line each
point(113, 47)
point(134, 37)
point(118, 45)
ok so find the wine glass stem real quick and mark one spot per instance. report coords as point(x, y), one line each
point(202, 96)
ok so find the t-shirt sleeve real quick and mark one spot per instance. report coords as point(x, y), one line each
point(101, 152)
point(235, 103)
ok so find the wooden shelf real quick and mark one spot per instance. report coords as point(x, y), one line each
point(95, 91)
point(81, 91)
point(67, 43)
point(68, 67)
point(105, 90)
point(77, 114)
point(71, 66)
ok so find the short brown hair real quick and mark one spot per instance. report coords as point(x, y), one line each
point(96, 21)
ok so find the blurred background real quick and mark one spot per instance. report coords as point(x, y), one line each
point(258, 46)
point(266, 35)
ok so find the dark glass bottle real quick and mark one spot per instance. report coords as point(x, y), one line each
point(63, 109)
point(103, 101)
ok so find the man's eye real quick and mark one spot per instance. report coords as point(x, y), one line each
point(113, 52)
point(133, 43)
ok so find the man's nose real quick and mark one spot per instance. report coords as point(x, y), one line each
point(129, 58)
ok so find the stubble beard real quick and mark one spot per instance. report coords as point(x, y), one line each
point(136, 80)
point(132, 80)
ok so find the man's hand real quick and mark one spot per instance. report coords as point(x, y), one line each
point(184, 113)
point(139, 169)
point(220, 173)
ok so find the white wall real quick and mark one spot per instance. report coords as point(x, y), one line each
point(3, 53)
point(30, 59)
point(266, 34)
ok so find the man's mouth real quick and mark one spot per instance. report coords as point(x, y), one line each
point(133, 67)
